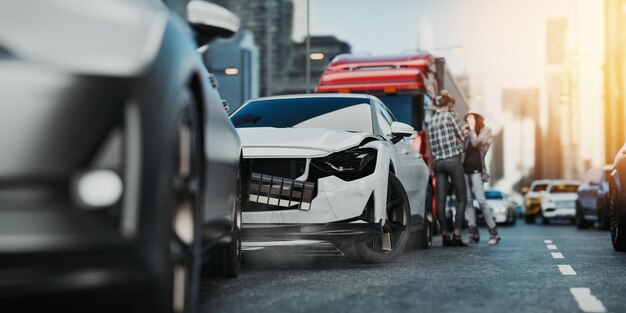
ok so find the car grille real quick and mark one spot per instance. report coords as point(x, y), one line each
point(269, 192)
point(565, 204)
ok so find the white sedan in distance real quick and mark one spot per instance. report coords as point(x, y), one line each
point(332, 167)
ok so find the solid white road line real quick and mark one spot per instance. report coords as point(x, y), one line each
point(552, 247)
point(566, 270)
point(586, 301)
point(557, 255)
point(547, 241)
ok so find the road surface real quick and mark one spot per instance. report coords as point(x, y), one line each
point(524, 273)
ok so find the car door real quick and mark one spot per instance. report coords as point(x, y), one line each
point(407, 162)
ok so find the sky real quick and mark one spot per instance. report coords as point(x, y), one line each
point(498, 43)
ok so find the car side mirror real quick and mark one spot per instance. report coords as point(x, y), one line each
point(225, 104)
point(210, 21)
point(524, 190)
point(401, 130)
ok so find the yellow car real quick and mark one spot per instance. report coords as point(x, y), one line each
point(532, 199)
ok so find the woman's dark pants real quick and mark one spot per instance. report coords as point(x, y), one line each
point(452, 168)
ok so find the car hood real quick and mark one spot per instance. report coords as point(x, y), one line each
point(264, 142)
point(105, 37)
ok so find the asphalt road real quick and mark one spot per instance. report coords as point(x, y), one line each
point(518, 275)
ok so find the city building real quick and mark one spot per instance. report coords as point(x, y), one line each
point(323, 50)
point(614, 77)
point(235, 63)
point(271, 23)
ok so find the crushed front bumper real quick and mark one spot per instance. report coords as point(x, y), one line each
point(331, 232)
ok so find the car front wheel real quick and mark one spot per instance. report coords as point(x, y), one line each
point(395, 234)
point(581, 223)
point(617, 219)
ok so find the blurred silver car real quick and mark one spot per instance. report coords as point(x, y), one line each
point(502, 207)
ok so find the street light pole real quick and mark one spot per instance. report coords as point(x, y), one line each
point(268, 49)
point(308, 47)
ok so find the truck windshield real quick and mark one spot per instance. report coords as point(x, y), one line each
point(340, 113)
point(400, 106)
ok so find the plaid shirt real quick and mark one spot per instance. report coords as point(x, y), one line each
point(444, 131)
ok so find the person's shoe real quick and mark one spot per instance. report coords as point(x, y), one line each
point(446, 241)
point(494, 238)
point(457, 242)
point(473, 236)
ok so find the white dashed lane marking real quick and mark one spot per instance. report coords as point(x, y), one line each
point(552, 247)
point(586, 301)
point(566, 269)
point(557, 255)
point(547, 241)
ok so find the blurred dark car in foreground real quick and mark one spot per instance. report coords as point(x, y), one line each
point(617, 202)
point(591, 205)
point(112, 138)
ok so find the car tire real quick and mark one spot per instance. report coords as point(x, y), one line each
point(186, 181)
point(226, 261)
point(617, 218)
point(545, 221)
point(396, 227)
point(424, 237)
point(603, 217)
point(581, 223)
point(530, 219)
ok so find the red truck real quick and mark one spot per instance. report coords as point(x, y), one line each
point(407, 84)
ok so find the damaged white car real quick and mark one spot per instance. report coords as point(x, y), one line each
point(332, 167)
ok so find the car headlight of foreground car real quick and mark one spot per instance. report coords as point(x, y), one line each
point(99, 188)
point(348, 165)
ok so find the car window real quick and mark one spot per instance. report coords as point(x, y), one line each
point(493, 195)
point(593, 175)
point(540, 187)
point(384, 120)
point(563, 188)
point(350, 114)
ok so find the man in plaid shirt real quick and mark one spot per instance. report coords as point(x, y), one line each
point(446, 137)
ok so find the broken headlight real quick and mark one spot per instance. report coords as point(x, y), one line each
point(349, 161)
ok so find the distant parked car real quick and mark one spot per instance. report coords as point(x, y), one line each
point(617, 203)
point(502, 207)
point(532, 199)
point(552, 199)
point(591, 205)
point(559, 201)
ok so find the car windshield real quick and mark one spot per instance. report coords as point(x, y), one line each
point(540, 187)
point(563, 188)
point(340, 113)
point(493, 195)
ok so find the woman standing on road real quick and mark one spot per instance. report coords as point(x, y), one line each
point(477, 142)
point(446, 136)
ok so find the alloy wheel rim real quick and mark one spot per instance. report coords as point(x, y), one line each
point(183, 219)
point(613, 212)
point(395, 222)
